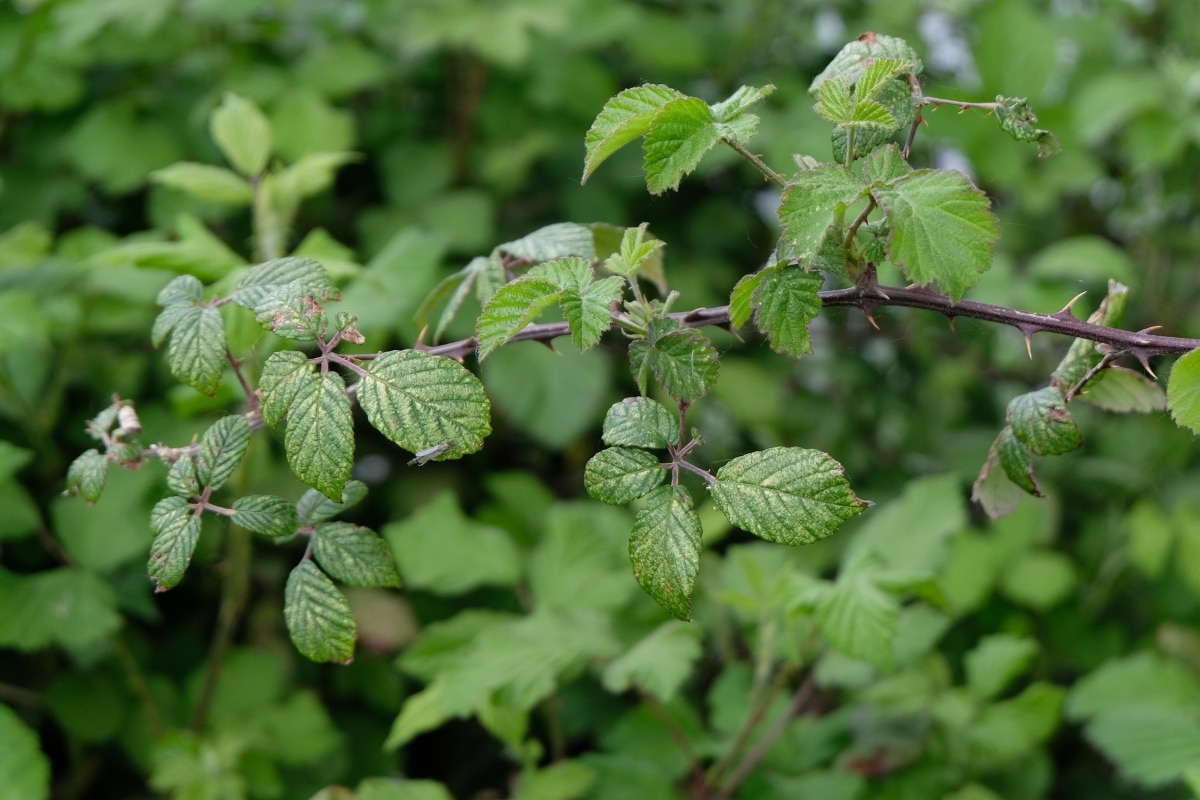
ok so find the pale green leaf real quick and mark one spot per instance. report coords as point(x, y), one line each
point(266, 514)
point(834, 103)
point(440, 550)
point(182, 289)
point(996, 662)
point(421, 401)
point(589, 312)
point(562, 780)
point(640, 422)
point(664, 548)
point(176, 528)
point(423, 711)
point(70, 607)
point(1040, 420)
point(1122, 390)
point(283, 373)
point(1011, 730)
point(206, 182)
point(510, 309)
point(942, 229)
point(311, 174)
point(196, 352)
point(87, 474)
point(786, 494)
point(1183, 391)
point(1038, 579)
point(786, 302)
point(877, 73)
point(993, 489)
point(1150, 538)
point(221, 450)
point(740, 305)
point(636, 252)
point(1142, 680)
point(858, 618)
point(624, 118)
point(885, 164)
point(659, 664)
point(354, 555)
point(680, 134)
point(444, 643)
point(451, 290)
point(557, 240)
point(619, 475)
point(314, 507)
point(814, 202)
point(24, 768)
point(317, 615)
point(872, 114)
point(739, 101)
point(1150, 746)
point(283, 278)
point(319, 441)
point(855, 57)
point(397, 789)
point(683, 360)
point(581, 559)
point(243, 133)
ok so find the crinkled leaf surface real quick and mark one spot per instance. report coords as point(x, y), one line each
point(624, 118)
point(221, 450)
point(196, 352)
point(314, 507)
point(640, 422)
point(176, 529)
point(266, 514)
point(683, 360)
point(788, 495)
point(283, 373)
point(290, 277)
point(1040, 420)
point(318, 616)
point(619, 475)
point(354, 555)
point(510, 309)
point(812, 203)
point(680, 134)
point(319, 441)
point(786, 302)
point(664, 549)
point(87, 475)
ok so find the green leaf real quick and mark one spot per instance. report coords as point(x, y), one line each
point(1122, 391)
point(283, 373)
point(1012, 730)
point(680, 134)
point(739, 101)
point(182, 289)
point(511, 308)
point(664, 548)
point(634, 253)
point(181, 478)
point(1038, 579)
point(624, 118)
point(206, 182)
point(1142, 680)
point(786, 302)
point(1151, 538)
point(619, 475)
point(741, 306)
point(1183, 391)
point(941, 228)
point(221, 450)
point(70, 607)
point(1017, 119)
point(1016, 461)
point(659, 664)
point(176, 528)
point(397, 789)
point(870, 114)
point(786, 494)
point(1041, 421)
point(196, 352)
point(813, 203)
point(581, 560)
point(557, 240)
point(683, 360)
point(1150, 746)
point(858, 618)
point(589, 312)
point(319, 441)
point(311, 174)
point(1082, 355)
point(87, 474)
point(24, 768)
point(852, 60)
point(562, 780)
point(354, 555)
point(878, 73)
point(996, 662)
point(884, 164)
point(439, 550)
point(640, 422)
point(421, 401)
point(318, 616)
point(302, 319)
point(281, 279)
point(243, 134)
point(834, 103)
point(314, 507)
point(266, 514)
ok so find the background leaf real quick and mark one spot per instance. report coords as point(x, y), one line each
point(24, 769)
point(243, 134)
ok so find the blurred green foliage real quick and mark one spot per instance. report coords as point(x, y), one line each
point(1054, 653)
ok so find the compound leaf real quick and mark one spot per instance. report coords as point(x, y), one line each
point(942, 228)
point(319, 441)
point(640, 422)
point(786, 302)
point(619, 475)
point(665, 549)
point(624, 118)
point(283, 374)
point(266, 514)
point(354, 555)
point(421, 401)
point(1040, 420)
point(680, 134)
point(176, 528)
point(318, 616)
point(788, 495)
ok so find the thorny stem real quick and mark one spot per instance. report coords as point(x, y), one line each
point(770, 174)
point(703, 473)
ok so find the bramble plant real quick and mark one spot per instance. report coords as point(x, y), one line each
point(842, 223)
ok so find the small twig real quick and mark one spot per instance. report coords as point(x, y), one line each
point(708, 476)
point(713, 778)
point(251, 397)
point(770, 174)
point(961, 105)
point(1102, 364)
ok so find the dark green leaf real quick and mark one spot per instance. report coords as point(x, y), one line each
point(314, 507)
point(318, 616)
point(786, 302)
point(176, 528)
point(319, 440)
point(619, 475)
point(24, 768)
point(243, 134)
point(1083, 354)
point(640, 422)
point(354, 555)
point(941, 228)
point(1016, 461)
point(786, 494)
point(302, 319)
point(196, 352)
point(1183, 391)
point(680, 134)
point(1017, 119)
point(266, 514)
point(283, 374)
point(421, 401)
point(87, 475)
point(683, 361)
point(511, 308)
point(221, 450)
point(623, 119)
point(1041, 421)
point(182, 478)
point(813, 203)
point(665, 549)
